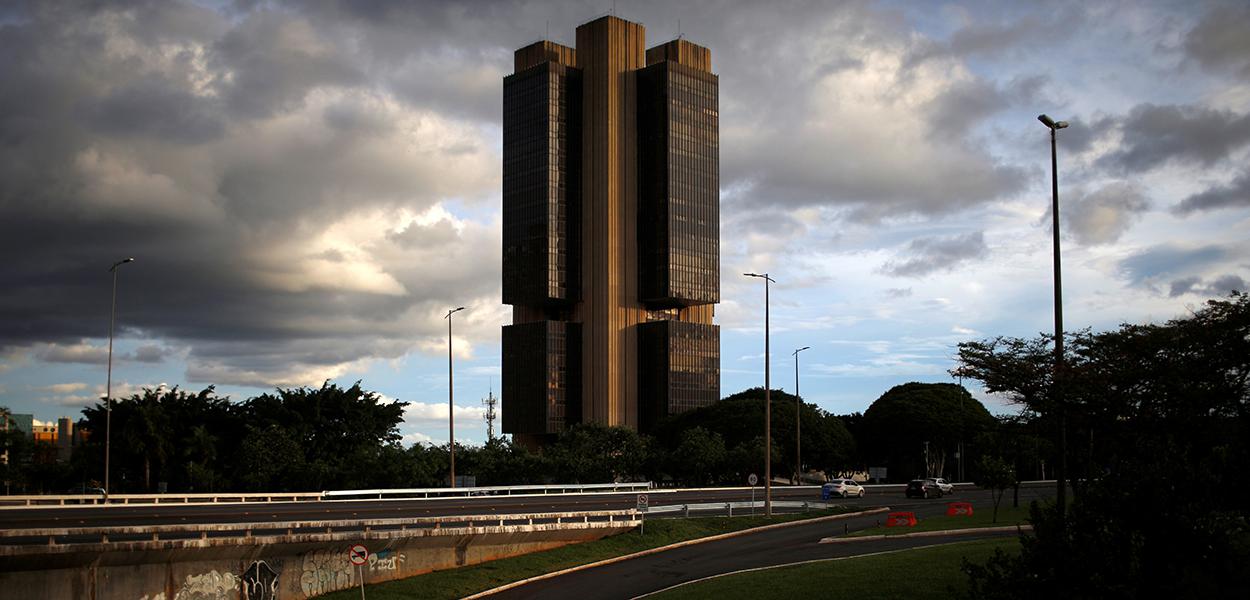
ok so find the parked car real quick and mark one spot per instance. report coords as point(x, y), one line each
point(842, 488)
point(944, 485)
point(923, 488)
point(83, 489)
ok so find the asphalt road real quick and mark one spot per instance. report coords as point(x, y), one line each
point(786, 545)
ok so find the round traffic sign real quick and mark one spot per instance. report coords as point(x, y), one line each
point(753, 479)
point(359, 555)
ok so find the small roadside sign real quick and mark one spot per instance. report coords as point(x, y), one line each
point(642, 501)
point(753, 479)
point(359, 555)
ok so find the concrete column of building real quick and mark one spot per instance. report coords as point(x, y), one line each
point(608, 50)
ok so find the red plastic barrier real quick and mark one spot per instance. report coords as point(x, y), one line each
point(959, 509)
point(901, 519)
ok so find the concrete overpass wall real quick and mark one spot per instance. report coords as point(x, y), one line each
point(276, 567)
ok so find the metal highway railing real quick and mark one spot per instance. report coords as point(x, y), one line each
point(728, 507)
point(515, 490)
point(300, 531)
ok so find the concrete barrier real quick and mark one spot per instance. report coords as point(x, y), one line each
point(281, 566)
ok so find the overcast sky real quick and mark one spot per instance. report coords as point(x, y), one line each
point(308, 187)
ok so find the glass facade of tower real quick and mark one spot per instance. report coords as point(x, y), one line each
point(541, 377)
point(679, 368)
point(611, 232)
point(679, 186)
point(541, 187)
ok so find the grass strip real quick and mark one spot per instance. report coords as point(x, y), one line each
point(981, 517)
point(464, 581)
point(931, 572)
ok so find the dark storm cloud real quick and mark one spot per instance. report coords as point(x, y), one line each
point(253, 171)
point(1220, 286)
point(1171, 262)
point(271, 61)
point(996, 38)
point(1235, 194)
point(1155, 135)
point(933, 254)
point(154, 108)
point(1103, 215)
point(1220, 42)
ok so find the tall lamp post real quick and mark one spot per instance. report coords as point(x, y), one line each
point(451, 405)
point(108, 386)
point(1057, 395)
point(768, 407)
point(798, 421)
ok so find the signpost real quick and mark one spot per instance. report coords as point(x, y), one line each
point(359, 555)
point(642, 509)
point(752, 479)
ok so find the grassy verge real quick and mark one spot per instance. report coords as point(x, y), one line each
point(913, 574)
point(457, 583)
point(981, 517)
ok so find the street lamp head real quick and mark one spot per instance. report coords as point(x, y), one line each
point(802, 349)
point(454, 310)
point(1051, 123)
point(120, 263)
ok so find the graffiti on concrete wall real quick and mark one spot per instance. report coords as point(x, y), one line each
point(260, 582)
point(385, 560)
point(207, 586)
point(326, 571)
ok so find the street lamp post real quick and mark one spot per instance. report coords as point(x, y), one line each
point(1061, 469)
point(798, 421)
point(451, 405)
point(108, 386)
point(768, 407)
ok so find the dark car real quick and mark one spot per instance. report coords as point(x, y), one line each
point(923, 488)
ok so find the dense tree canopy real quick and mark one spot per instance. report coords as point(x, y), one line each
point(1161, 415)
point(896, 427)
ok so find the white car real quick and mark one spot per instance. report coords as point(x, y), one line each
point(844, 488)
point(942, 484)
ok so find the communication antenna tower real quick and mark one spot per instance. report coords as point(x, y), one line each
point(489, 402)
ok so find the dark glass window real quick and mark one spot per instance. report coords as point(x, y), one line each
point(541, 185)
point(541, 387)
point(678, 370)
point(679, 186)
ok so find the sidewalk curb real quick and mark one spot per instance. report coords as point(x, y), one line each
point(921, 534)
point(721, 536)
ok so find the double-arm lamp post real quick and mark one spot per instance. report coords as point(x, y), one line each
point(1056, 392)
point(451, 405)
point(108, 386)
point(798, 422)
point(768, 407)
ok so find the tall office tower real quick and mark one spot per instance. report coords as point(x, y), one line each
point(611, 232)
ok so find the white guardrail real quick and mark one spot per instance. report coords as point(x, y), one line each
point(395, 494)
point(236, 498)
point(728, 507)
point(303, 531)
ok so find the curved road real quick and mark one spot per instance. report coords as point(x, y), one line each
point(772, 547)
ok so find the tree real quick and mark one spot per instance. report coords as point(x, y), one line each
point(739, 420)
point(700, 457)
point(899, 423)
point(592, 453)
point(996, 476)
point(1165, 407)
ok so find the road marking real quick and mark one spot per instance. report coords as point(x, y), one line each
point(804, 562)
